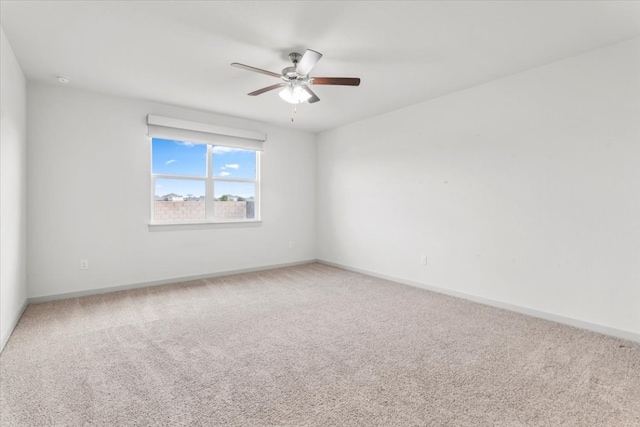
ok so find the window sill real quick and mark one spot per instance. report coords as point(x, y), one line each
point(203, 225)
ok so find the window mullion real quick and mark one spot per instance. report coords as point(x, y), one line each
point(249, 180)
point(208, 200)
point(185, 177)
point(256, 197)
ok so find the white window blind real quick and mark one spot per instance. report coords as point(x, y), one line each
point(204, 133)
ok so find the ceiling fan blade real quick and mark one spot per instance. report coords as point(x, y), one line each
point(307, 62)
point(341, 81)
point(314, 97)
point(266, 89)
point(257, 70)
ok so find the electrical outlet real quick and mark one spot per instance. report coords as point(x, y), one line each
point(423, 260)
point(84, 264)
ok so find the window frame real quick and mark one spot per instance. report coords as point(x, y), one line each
point(210, 181)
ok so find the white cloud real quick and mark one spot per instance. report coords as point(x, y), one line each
point(185, 144)
point(219, 149)
point(158, 186)
point(232, 166)
point(224, 173)
point(168, 162)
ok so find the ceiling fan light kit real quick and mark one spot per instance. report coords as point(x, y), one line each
point(296, 78)
point(294, 94)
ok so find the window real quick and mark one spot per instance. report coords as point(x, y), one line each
point(200, 182)
point(203, 182)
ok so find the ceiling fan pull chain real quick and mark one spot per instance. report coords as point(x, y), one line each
point(294, 110)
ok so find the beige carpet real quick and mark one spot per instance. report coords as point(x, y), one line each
point(308, 346)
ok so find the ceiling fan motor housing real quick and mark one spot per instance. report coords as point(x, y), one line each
point(289, 73)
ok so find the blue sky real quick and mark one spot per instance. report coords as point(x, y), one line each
point(183, 158)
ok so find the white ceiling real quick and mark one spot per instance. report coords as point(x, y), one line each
point(404, 52)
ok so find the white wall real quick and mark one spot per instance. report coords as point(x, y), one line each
point(525, 190)
point(88, 198)
point(13, 184)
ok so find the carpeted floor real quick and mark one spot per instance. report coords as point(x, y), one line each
point(308, 346)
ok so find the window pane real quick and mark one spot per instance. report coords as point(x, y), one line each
point(234, 163)
point(234, 200)
point(178, 158)
point(179, 200)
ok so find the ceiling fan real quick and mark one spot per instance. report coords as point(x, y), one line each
point(296, 78)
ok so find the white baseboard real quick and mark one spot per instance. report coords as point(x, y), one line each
point(618, 333)
point(54, 297)
point(6, 333)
